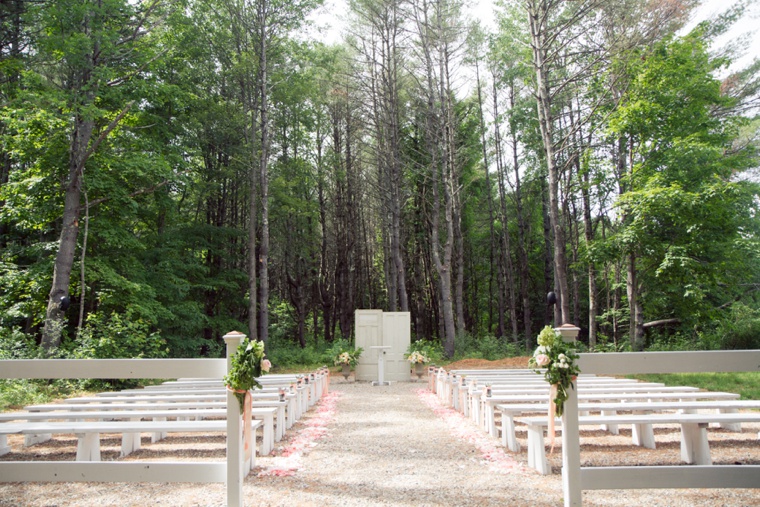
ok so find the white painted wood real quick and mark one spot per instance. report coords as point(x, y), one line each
point(571, 452)
point(236, 469)
point(670, 477)
point(624, 363)
point(111, 368)
point(397, 334)
point(694, 445)
point(665, 477)
point(111, 471)
point(368, 325)
point(88, 448)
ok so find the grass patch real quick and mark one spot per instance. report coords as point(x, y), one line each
point(16, 393)
point(746, 384)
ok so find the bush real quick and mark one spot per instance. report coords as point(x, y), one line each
point(116, 336)
point(14, 344)
point(738, 331)
point(284, 353)
point(486, 347)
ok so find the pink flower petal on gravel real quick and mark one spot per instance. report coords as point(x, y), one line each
point(315, 428)
point(494, 457)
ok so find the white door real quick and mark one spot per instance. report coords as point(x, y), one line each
point(369, 333)
point(397, 334)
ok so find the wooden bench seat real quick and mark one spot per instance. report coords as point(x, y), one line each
point(488, 417)
point(508, 412)
point(281, 424)
point(88, 432)
point(265, 415)
point(695, 448)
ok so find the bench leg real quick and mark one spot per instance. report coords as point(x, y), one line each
point(130, 442)
point(490, 421)
point(694, 446)
point(612, 428)
point(280, 424)
point(36, 439)
point(730, 426)
point(643, 435)
point(267, 436)
point(88, 447)
point(537, 450)
point(158, 435)
point(508, 437)
point(4, 447)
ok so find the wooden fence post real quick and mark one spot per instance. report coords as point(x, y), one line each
point(235, 473)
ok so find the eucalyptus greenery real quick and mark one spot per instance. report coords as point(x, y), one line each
point(556, 360)
point(245, 368)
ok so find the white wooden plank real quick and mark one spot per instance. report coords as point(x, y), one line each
point(667, 477)
point(112, 368)
point(108, 471)
point(624, 363)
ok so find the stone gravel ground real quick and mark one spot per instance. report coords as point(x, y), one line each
point(387, 446)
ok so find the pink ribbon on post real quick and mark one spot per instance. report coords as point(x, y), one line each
point(552, 414)
point(247, 423)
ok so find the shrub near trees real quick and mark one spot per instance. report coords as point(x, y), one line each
point(174, 170)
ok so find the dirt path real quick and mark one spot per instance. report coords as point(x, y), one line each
point(368, 446)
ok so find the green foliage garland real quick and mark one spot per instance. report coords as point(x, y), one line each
point(248, 363)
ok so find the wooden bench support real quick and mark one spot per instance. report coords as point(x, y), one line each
point(88, 433)
point(695, 448)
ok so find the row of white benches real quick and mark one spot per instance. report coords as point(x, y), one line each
point(482, 394)
point(186, 405)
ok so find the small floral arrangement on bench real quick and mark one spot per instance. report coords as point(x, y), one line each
point(417, 357)
point(558, 360)
point(248, 363)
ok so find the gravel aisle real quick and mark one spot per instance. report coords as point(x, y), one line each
point(373, 446)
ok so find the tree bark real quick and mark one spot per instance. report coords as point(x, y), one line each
point(263, 6)
point(538, 28)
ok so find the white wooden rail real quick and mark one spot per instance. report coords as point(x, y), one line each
point(231, 471)
point(576, 479)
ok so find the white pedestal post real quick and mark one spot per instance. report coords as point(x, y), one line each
point(235, 471)
point(381, 365)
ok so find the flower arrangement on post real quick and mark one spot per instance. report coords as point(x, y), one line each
point(556, 360)
point(248, 363)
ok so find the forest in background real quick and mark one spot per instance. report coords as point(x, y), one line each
point(174, 170)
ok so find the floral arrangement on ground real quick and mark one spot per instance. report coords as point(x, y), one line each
point(417, 357)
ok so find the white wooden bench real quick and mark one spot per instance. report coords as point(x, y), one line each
point(265, 415)
point(488, 419)
point(695, 448)
point(509, 411)
point(88, 432)
point(293, 409)
point(464, 394)
point(280, 421)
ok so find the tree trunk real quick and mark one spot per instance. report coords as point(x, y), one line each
point(264, 175)
point(64, 260)
point(502, 280)
point(522, 254)
point(636, 310)
point(545, 121)
point(492, 245)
